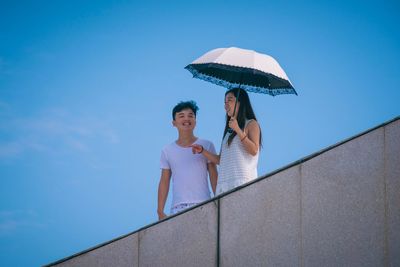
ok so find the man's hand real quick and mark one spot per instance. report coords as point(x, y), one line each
point(161, 215)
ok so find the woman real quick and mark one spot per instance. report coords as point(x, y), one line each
point(238, 158)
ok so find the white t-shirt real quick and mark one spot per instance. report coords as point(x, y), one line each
point(189, 172)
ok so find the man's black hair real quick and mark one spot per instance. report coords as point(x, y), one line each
point(185, 105)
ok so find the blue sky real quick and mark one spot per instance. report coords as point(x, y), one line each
point(86, 92)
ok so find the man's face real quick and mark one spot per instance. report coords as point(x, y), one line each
point(185, 120)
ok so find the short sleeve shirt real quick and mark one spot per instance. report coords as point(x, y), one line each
point(189, 172)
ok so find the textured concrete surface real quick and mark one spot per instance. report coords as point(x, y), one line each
point(340, 208)
point(260, 224)
point(121, 253)
point(189, 239)
point(392, 171)
point(343, 204)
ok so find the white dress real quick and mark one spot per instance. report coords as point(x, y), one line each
point(237, 166)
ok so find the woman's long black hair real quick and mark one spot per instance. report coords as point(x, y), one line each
point(245, 112)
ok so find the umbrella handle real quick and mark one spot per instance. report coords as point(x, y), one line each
point(234, 109)
point(238, 94)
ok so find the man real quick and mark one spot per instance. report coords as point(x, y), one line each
point(188, 171)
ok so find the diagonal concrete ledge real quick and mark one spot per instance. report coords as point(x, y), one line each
point(336, 207)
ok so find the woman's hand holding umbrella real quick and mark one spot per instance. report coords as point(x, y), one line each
point(233, 124)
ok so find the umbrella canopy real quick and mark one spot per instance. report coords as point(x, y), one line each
point(241, 68)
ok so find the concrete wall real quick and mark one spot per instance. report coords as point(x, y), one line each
point(340, 207)
point(189, 239)
point(122, 253)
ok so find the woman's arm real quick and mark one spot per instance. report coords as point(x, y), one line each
point(199, 149)
point(251, 141)
point(250, 137)
point(213, 173)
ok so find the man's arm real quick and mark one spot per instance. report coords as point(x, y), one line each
point(213, 173)
point(163, 189)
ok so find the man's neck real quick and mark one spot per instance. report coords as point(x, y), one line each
point(186, 139)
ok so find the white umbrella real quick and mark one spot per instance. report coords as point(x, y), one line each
point(241, 68)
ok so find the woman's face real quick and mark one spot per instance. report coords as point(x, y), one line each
point(230, 104)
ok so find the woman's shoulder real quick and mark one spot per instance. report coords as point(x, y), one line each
point(251, 123)
point(252, 126)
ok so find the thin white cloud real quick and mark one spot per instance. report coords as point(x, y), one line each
point(111, 136)
point(78, 145)
point(4, 214)
point(55, 131)
point(14, 220)
point(1, 64)
point(8, 226)
point(14, 148)
point(3, 67)
point(10, 149)
point(4, 105)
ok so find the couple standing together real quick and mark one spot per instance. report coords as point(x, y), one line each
point(190, 160)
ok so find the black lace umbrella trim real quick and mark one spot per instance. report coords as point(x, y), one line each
point(249, 79)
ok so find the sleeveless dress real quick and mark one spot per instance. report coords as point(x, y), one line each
point(236, 166)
